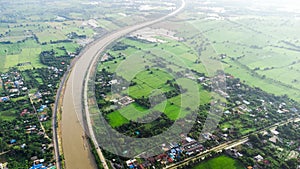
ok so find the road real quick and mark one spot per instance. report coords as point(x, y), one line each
point(74, 127)
point(227, 145)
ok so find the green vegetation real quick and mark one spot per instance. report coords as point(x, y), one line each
point(147, 82)
point(116, 119)
point(221, 162)
point(161, 67)
point(262, 50)
point(156, 74)
point(23, 37)
point(37, 43)
point(95, 153)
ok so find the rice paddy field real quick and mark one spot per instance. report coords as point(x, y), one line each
point(262, 50)
point(24, 36)
point(130, 63)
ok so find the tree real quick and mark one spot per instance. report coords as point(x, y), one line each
point(292, 163)
point(3, 145)
point(254, 138)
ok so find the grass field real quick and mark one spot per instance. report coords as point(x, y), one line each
point(221, 162)
point(27, 51)
point(177, 57)
point(147, 82)
point(265, 42)
point(264, 84)
point(8, 115)
point(116, 119)
point(107, 24)
point(11, 114)
point(254, 46)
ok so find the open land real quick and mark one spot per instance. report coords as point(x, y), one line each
point(222, 162)
point(264, 53)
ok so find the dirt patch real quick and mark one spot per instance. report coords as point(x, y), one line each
point(151, 34)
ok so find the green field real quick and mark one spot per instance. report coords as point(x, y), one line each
point(139, 55)
point(221, 162)
point(47, 28)
point(116, 119)
point(147, 82)
point(27, 53)
point(257, 53)
point(8, 115)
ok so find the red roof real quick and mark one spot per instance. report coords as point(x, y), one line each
point(267, 162)
point(141, 166)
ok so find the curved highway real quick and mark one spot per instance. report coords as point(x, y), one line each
point(75, 146)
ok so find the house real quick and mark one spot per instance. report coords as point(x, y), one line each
point(30, 128)
point(43, 118)
point(273, 139)
point(201, 79)
point(112, 82)
point(23, 146)
point(24, 112)
point(106, 57)
point(37, 95)
point(258, 158)
point(207, 136)
point(274, 132)
point(4, 99)
point(192, 147)
point(13, 91)
point(244, 108)
point(125, 101)
point(161, 157)
point(188, 139)
point(141, 166)
point(13, 141)
point(246, 102)
point(3, 165)
point(131, 162)
point(38, 166)
point(224, 136)
point(238, 102)
point(42, 108)
point(234, 153)
point(252, 115)
point(227, 112)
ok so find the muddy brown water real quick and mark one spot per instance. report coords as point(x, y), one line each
point(75, 146)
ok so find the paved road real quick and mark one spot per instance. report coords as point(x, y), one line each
point(74, 128)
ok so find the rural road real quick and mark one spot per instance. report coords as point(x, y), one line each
point(74, 128)
point(227, 145)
